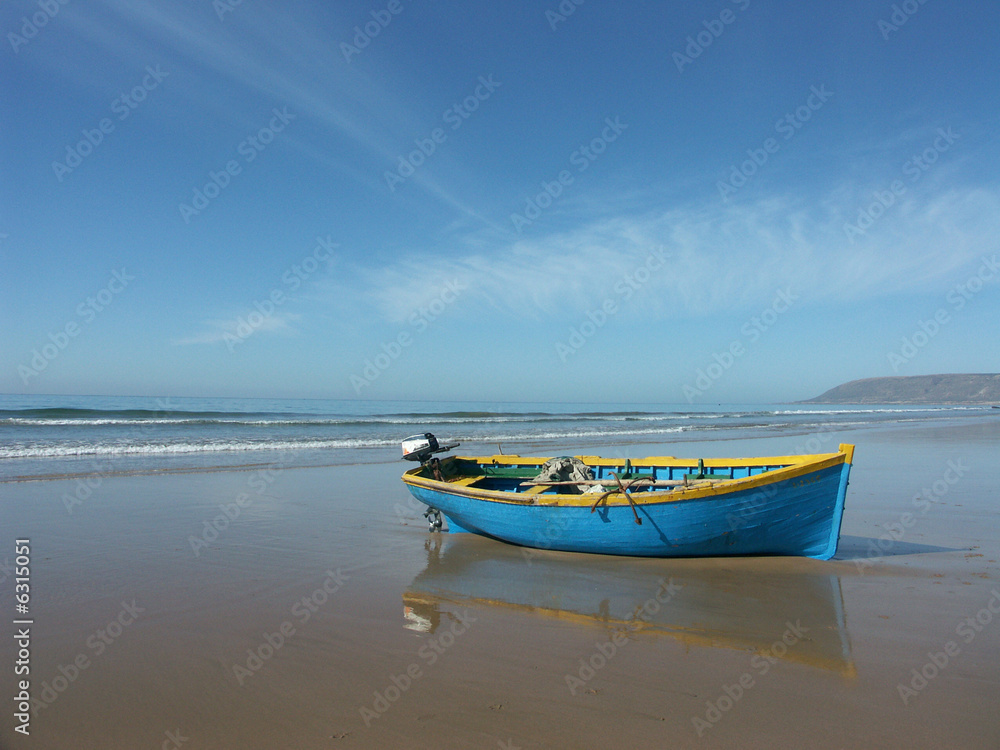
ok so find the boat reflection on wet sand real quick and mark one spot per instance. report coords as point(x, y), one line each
point(778, 607)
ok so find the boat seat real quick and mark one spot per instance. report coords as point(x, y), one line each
point(466, 481)
point(538, 489)
point(512, 472)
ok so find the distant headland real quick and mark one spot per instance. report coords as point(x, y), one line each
point(915, 389)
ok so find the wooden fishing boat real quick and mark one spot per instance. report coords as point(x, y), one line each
point(656, 507)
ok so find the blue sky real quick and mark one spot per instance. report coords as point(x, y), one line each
point(664, 202)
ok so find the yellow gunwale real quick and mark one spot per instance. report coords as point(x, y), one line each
point(799, 466)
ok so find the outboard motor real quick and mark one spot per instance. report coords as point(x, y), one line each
point(422, 447)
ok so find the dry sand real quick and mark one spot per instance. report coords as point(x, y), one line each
point(324, 615)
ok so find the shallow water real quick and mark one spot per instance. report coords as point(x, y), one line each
point(107, 436)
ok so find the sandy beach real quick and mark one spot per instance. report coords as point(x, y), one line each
point(310, 608)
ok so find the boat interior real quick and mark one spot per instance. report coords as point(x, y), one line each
point(518, 475)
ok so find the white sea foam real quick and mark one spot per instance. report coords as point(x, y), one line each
point(53, 432)
point(152, 449)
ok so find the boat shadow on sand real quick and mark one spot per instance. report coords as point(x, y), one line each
point(865, 548)
point(738, 603)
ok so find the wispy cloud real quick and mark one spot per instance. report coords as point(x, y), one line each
point(310, 77)
point(240, 327)
point(718, 257)
point(291, 63)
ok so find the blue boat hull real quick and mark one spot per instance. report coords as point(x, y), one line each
point(800, 515)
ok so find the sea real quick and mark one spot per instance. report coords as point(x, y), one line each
point(47, 436)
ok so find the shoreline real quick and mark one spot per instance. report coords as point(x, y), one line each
point(541, 447)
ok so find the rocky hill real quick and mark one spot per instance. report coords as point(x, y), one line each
point(916, 389)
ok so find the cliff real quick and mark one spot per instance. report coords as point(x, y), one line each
point(916, 389)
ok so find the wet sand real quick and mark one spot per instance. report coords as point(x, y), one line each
point(323, 615)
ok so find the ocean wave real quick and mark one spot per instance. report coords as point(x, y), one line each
point(58, 450)
point(151, 448)
point(57, 432)
point(257, 420)
point(65, 412)
point(915, 409)
point(87, 418)
point(530, 436)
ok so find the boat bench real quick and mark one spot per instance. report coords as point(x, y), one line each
point(511, 472)
point(465, 481)
point(470, 481)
